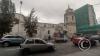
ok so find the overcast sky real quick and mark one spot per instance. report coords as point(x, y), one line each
point(52, 11)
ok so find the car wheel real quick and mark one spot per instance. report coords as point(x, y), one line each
point(20, 46)
point(99, 41)
point(6, 44)
point(25, 51)
point(86, 44)
point(93, 43)
point(51, 48)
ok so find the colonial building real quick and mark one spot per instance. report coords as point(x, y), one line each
point(42, 29)
point(69, 21)
point(18, 29)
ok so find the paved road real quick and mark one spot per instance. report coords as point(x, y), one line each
point(95, 51)
point(61, 49)
point(9, 51)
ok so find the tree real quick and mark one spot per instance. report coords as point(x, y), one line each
point(7, 15)
point(30, 24)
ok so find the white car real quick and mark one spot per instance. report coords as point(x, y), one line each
point(36, 44)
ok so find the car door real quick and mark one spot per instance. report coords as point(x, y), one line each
point(11, 39)
point(14, 39)
point(30, 44)
point(40, 45)
point(19, 39)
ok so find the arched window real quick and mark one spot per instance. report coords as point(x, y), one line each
point(72, 18)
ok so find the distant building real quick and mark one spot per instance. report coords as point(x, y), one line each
point(85, 16)
point(18, 29)
point(69, 21)
point(42, 29)
point(81, 20)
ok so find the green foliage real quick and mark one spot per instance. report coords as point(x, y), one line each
point(7, 15)
point(30, 24)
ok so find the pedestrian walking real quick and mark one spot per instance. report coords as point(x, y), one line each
point(49, 36)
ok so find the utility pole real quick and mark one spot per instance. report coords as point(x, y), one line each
point(20, 15)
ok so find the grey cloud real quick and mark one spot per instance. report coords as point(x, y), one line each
point(52, 11)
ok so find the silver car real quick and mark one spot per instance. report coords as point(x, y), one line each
point(36, 44)
point(11, 40)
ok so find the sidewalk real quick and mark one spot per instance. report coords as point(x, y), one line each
point(92, 52)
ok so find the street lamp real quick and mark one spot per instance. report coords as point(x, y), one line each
point(20, 5)
point(20, 14)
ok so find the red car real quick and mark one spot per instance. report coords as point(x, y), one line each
point(77, 38)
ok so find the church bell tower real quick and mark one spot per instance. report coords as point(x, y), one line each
point(70, 22)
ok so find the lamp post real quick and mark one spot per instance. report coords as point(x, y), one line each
point(20, 5)
point(19, 15)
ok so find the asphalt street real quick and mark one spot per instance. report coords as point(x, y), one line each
point(61, 49)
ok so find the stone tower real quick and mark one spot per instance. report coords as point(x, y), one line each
point(70, 22)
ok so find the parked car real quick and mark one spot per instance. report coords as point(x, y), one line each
point(76, 39)
point(94, 37)
point(36, 44)
point(59, 39)
point(11, 40)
